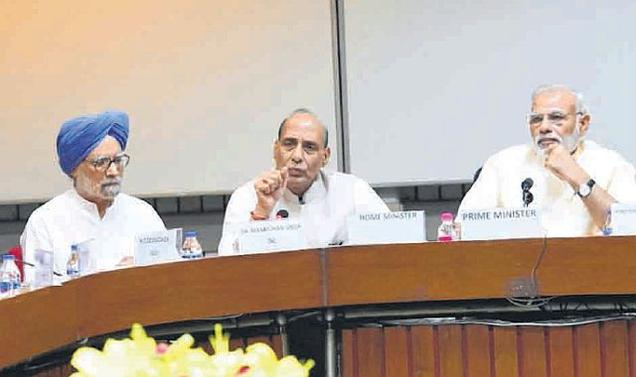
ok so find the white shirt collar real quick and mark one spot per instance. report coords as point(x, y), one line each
point(317, 191)
point(89, 206)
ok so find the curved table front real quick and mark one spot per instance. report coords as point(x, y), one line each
point(45, 319)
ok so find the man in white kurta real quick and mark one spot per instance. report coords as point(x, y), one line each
point(68, 219)
point(575, 181)
point(93, 212)
point(298, 188)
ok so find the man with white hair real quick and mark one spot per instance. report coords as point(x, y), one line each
point(91, 152)
point(298, 188)
point(574, 181)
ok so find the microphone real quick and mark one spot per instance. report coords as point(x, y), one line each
point(526, 195)
point(282, 214)
point(527, 198)
point(33, 265)
point(527, 184)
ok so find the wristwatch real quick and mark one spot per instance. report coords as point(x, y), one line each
point(585, 189)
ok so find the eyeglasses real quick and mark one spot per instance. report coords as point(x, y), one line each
point(103, 163)
point(554, 118)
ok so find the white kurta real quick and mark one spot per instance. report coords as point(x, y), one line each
point(70, 219)
point(563, 212)
point(324, 209)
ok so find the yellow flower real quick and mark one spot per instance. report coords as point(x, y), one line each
point(141, 356)
point(289, 366)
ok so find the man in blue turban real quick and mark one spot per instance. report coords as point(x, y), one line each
point(94, 213)
point(79, 136)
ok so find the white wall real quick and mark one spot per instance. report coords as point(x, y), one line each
point(206, 84)
point(436, 87)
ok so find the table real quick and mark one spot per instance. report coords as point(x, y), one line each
point(335, 280)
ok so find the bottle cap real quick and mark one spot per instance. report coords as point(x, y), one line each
point(190, 233)
point(73, 247)
point(446, 216)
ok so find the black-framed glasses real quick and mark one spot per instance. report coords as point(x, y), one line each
point(553, 117)
point(103, 163)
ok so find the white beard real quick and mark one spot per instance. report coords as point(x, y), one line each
point(110, 191)
point(570, 142)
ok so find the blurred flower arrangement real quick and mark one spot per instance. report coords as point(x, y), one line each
point(142, 356)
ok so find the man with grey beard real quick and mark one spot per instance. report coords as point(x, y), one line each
point(574, 181)
point(94, 212)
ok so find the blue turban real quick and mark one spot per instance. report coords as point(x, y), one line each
point(79, 136)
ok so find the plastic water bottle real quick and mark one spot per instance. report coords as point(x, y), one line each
point(9, 276)
point(73, 263)
point(446, 230)
point(191, 247)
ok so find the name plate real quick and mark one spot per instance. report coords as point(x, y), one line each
point(623, 219)
point(389, 227)
point(155, 247)
point(271, 235)
point(86, 260)
point(43, 268)
point(500, 223)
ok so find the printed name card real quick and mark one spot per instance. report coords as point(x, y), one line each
point(155, 247)
point(43, 268)
point(390, 227)
point(500, 223)
point(272, 235)
point(86, 261)
point(623, 219)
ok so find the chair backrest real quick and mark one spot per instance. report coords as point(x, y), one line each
point(477, 174)
point(16, 251)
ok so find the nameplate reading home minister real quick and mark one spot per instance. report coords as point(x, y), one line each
point(274, 235)
point(389, 227)
point(500, 223)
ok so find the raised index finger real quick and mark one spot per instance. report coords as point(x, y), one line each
point(285, 175)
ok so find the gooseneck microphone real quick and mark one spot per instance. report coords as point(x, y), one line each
point(526, 195)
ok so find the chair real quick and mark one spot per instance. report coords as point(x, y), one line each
point(477, 174)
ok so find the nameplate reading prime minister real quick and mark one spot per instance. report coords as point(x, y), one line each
point(500, 223)
point(388, 227)
point(623, 219)
point(273, 235)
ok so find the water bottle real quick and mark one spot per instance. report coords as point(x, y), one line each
point(191, 247)
point(73, 263)
point(446, 230)
point(9, 276)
